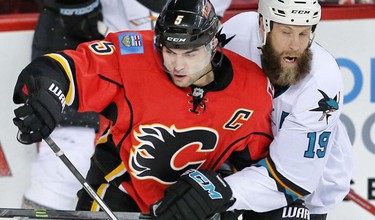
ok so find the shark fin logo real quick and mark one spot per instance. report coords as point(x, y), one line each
point(327, 105)
point(165, 153)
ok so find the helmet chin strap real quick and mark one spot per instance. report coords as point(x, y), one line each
point(218, 63)
point(312, 36)
point(208, 71)
point(262, 35)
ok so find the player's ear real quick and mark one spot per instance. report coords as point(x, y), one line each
point(261, 24)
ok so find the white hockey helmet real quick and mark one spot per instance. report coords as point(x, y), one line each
point(290, 12)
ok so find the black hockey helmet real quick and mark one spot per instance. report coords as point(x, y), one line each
point(186, 24)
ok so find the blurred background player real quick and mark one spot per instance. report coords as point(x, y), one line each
point(142, 14)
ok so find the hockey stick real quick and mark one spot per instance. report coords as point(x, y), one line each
point(353, 196)
point(74, 215)
point(66, 214)
point(79, 176)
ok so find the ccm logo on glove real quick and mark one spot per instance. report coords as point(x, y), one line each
point(196, 195)
point(205, 183)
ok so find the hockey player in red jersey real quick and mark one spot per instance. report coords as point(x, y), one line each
point(180, 106)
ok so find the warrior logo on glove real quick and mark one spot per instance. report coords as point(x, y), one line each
point(43, 100)
point(60, 95)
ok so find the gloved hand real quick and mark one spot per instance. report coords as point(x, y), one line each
point(82, 21)
point(294, 211)
point(196, 195)
point(230, 215)
point(43, 101)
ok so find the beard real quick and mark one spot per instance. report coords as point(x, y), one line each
point(279, 75)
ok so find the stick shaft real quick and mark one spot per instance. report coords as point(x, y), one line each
point(66, 214)
point(59, 153)
point(361, 201)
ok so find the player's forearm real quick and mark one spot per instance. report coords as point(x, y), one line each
point(255, 190)
point(44, 66)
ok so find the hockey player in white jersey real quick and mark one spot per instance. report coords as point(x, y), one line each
point(141, 14)
point(310, 157)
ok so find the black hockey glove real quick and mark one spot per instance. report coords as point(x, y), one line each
point(294, 211)
point(229, 215)
point(81, 20)
point(196, 195)
point(43, 103)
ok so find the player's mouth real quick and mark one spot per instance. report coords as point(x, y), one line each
point(290, 60)
point(178, 77)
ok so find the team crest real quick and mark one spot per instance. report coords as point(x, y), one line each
point(131, 43)
point(327, 105)
point(165, 153)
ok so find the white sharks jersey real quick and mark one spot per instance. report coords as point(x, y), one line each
point(131, 15)
point(310, 156)
point(127, 15)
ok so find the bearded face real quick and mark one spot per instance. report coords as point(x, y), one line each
point(286, 67)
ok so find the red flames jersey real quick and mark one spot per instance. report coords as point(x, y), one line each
point(156, 128)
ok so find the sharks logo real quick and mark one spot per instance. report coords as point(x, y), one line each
point(164, 153)
point(327, 105)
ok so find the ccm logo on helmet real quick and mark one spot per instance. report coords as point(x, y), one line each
point(176, 39)
point(300, 12)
